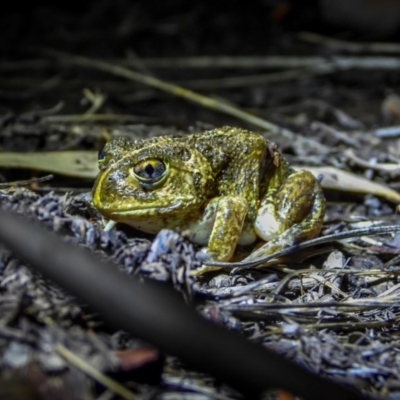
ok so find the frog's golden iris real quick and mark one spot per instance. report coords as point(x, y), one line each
point(227, 186)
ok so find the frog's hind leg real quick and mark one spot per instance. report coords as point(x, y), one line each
point(291, 213)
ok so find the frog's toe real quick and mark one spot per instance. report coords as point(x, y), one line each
point(203, 270)
point(269, 248)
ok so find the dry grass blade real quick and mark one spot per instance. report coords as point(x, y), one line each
point(95, 374)
point(338, 63)
point(392, 168)
point(261, 79)
point(353, 47)
point(190, 95)
point(97, 118)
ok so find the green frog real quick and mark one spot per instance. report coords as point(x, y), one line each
point(227, 186)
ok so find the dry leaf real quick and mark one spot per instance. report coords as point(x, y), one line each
point(344, 181)
point(79, 164)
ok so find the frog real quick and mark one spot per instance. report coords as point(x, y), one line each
point(227, 186)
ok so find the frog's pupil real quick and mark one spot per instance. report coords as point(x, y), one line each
point(149, 169)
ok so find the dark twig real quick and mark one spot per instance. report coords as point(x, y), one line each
point(26, 182)
point(154, 313)
point(374, 230)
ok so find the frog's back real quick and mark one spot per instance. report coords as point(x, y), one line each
point(227, 144)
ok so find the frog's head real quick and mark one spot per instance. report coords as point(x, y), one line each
point(152, 183)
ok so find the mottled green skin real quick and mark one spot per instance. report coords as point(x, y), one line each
point(222, 185)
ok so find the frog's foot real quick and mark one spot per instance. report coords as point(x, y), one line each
point(292, 214)
point(286, 239)
point(203, 270)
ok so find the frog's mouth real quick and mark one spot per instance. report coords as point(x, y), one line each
point(143, 211)
point(148, 219)
point(147, 210)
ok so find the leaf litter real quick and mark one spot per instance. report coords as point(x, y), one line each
point(332, 308)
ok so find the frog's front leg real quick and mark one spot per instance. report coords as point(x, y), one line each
point(224, 217)
point(291, 213)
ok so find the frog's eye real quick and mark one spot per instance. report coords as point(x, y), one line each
point(100, 155)
point(150, 172)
